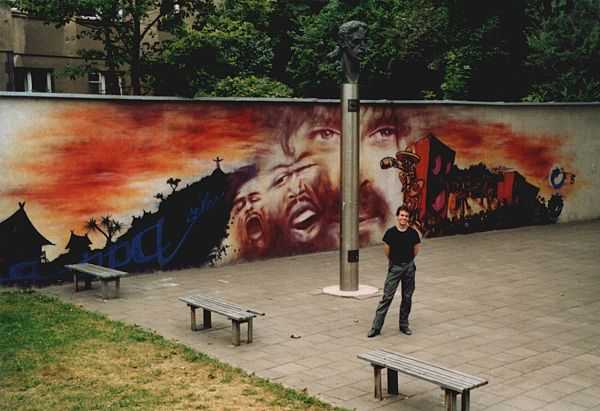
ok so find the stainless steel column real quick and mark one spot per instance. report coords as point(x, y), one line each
point(349, 247)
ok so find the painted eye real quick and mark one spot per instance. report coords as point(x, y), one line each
point(238, 205)
point(324, 134)
point(279, 180)
point(254, 197)
point(382, 135)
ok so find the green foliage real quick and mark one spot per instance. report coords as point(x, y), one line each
point(564, 54)
point(126, 29)
point(532, 50)
point(402, 34)
point(227, 44)
point(250, 86)
point(457, 75)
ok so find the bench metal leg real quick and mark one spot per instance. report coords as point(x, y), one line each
point(377, 374)
point(105, 289)
point(235, 325)
point(206, 318)
point(465, 400)
point(76, 281)
point(450, 400)
point(193, 317)
point(249, 330)
point(117, 286)
point(392, 381)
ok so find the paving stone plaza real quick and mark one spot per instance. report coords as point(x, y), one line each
point(519, 307)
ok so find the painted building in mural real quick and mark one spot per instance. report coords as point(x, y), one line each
point(151, 184)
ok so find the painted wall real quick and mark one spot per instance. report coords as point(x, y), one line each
point(153, 183)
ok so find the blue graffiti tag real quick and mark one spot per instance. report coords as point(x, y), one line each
point(126, 252)
point(133, 251)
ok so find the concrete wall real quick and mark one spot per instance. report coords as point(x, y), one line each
point(143, 184)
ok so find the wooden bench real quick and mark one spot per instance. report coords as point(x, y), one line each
point(452, 382)
point(234, 312)
point(91, 271)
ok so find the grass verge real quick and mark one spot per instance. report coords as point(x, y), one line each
point(56, 356)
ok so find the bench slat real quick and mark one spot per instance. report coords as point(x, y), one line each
point(214, 304)
point(222, 305)
point(430, 372)
point(454, 380)
point(217, 301)
point(221, 301)
point(432, 377)
point(405, 359)
point(96, 270)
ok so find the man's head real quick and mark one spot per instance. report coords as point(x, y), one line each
point(353, 38)
point(403, 216)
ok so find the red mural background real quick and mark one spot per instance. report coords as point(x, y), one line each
point(70, 161)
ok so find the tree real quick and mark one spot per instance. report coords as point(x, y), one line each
point(108, 227)
point(564, 51)
point(173, 183)
point(231, 46)
point(125, 28)
point(405, 39)
point(486, 51)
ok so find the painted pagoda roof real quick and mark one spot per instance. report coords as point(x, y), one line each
point(19, 227)
point(76, 241)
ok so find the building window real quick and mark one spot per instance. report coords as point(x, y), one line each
point(33, 80)
point(98, 83)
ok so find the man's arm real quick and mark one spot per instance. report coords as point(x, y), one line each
point(416, 249)
point(386, 250)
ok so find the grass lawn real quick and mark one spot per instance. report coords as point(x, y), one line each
point(56, 356)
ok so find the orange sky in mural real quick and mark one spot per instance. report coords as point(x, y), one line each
point(76, 154)
point(497, 144)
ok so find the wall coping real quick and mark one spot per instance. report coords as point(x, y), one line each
point(72, 96)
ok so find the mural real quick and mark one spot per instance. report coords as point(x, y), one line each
point(147, 185)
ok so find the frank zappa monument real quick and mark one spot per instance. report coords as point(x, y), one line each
point(352, 45)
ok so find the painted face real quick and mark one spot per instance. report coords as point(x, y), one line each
point(294, 203)
point(302, 201)
point(249, 220)
point(380, 190)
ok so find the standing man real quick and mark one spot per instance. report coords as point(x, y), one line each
point(401, 246)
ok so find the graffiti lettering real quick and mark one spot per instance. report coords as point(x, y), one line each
point(123, 253)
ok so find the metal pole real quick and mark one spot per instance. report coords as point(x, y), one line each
point(349, 247)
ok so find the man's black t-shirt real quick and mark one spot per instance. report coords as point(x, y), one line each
point(402, 244)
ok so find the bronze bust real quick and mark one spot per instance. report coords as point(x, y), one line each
point(352, 44)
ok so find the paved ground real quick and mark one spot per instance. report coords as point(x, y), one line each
point(519, 307)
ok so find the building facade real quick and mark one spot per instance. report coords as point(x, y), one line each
point(35, 57)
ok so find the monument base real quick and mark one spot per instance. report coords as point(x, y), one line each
point(364, 291)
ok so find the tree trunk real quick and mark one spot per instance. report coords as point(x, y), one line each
point(135, 57)
point(112, 76)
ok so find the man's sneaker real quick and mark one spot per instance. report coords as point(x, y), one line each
point(406, 330)
point(373, 333)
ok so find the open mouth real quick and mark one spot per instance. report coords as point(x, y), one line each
point(254, 228)
point(304, 221)
point(303, 217)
